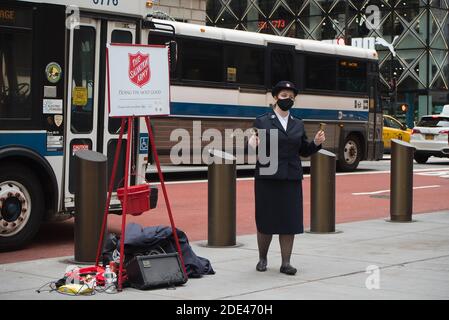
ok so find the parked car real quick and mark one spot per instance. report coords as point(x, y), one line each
point(430, 137)
point(393, 129)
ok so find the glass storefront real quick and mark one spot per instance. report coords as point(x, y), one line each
point(411, 37)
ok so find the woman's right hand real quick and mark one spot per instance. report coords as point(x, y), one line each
point(254, 141)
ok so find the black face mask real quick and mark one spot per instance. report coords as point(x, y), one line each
point(285, 104)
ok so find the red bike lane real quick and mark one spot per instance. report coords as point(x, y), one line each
point(360, 196)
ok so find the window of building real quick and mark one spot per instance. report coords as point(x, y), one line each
point(201, 60)
point(320, 72)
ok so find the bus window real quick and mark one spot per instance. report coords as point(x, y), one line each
point(76, 144)
point(15, 74)
point(247, 63)
point(112, 147)
point(282, 67)
point(119, 36)
point(83, 79)
point(201, 61)
point(352, 76)
point(320, 73)
point(158, 39)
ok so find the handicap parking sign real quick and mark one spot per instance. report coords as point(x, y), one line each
point(143, 144)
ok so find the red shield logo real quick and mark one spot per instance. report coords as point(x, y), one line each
point(139, 68)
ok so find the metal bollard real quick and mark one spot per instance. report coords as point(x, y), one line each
point(401, 181)
point(222, 178)
point(90, 201)
point(322, 189)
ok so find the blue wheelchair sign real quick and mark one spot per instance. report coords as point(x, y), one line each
point(143, 144)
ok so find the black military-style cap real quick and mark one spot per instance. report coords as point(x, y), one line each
point(281, 85)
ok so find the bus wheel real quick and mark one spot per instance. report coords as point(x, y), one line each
point(350, 154)
point(21, 206)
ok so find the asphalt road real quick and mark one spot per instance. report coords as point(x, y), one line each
point(360, 195)
point(384, 165)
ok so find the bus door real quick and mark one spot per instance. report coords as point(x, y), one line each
point(89, 124)
point(117, 32)
point(82, 97)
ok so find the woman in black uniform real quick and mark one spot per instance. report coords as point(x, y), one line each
point(278, 195)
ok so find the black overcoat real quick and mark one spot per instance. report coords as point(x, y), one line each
point(278, 195)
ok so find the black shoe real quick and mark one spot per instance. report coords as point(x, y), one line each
point(288, 269)
point(261, 266)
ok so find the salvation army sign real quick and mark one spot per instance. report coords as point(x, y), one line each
point(138, 80)
point(139, 68)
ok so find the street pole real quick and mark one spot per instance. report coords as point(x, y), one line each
point(401, 181)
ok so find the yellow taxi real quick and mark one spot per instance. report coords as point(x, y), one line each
point(393, 129)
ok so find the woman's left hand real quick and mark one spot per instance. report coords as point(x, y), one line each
point(320, 137)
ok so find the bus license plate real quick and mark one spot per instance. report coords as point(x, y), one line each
point(429, 136)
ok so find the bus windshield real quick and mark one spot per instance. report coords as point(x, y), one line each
point(15, 74)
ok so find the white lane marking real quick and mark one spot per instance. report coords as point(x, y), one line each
point(197, 181)
point(387, 171)
point(441, 174)
point(386, 191)
point(368, 193)
point(305, 176)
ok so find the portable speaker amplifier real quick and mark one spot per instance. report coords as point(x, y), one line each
point(153, 271)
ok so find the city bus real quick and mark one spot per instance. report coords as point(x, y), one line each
point(53, 96)
point(53, 102)
point(224, 77)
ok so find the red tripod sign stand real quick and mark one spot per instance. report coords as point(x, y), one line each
point(129, 121)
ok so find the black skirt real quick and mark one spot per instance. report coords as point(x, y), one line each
point(279, 206)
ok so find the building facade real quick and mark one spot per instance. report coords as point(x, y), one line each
point(191, 11)
point(411, 37)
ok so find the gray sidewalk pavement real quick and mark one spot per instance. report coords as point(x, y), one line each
point(413, 262)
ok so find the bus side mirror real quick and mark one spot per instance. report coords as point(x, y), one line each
point(173, 54)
